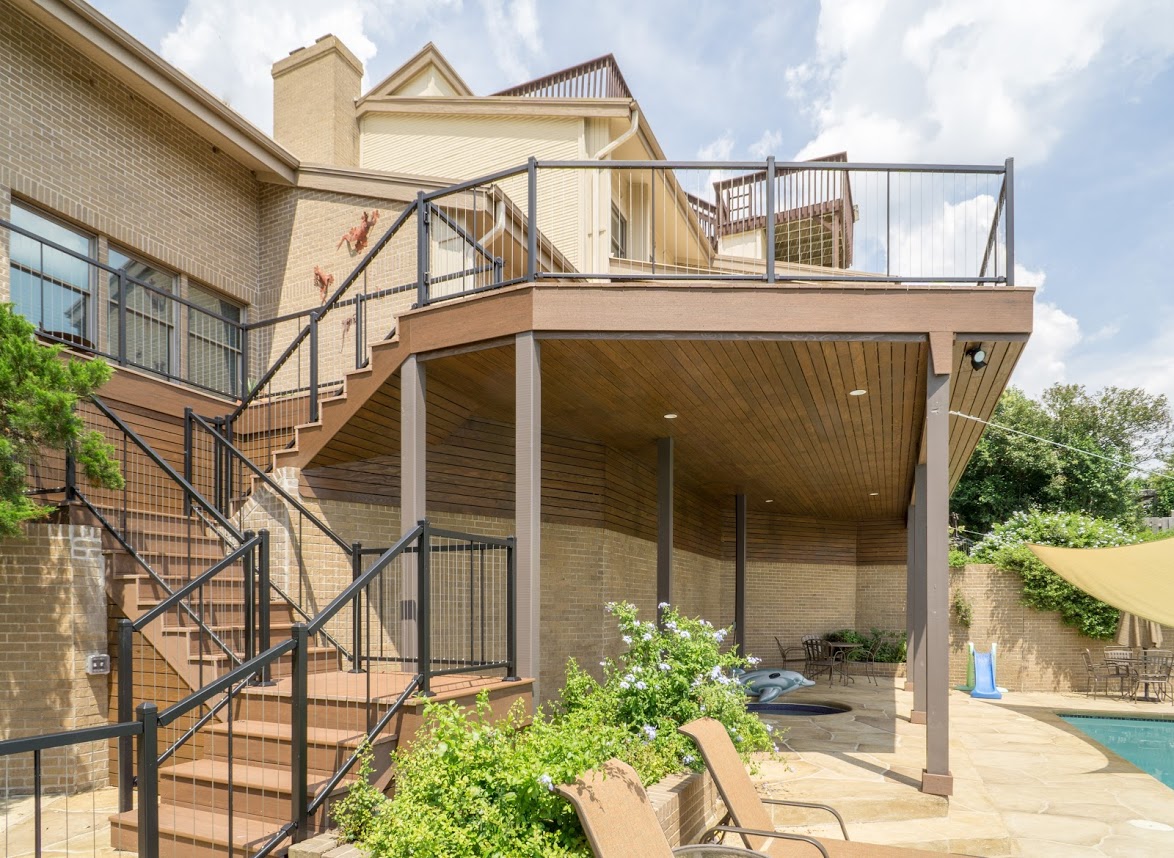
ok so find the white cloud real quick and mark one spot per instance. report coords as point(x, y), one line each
point(513, 30)
point(717, 150)
point(766, 145)
point(956, 80)
point(230, 47)
point(1046, 359)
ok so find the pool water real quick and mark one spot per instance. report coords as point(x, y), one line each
point(1148, 743)
point(797, 708)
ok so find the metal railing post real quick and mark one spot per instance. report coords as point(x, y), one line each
point(888, 228)
point(359, 303)
point(70, 476)
point(532, 219)
point(149, 781)
point(243, 381)
point(357, 609)
point(263, 599)
point(424, 611)
point(511, 609)
point(126, 764)
point(1010, 180)
point(423, 248)
point(250, 602)
point(299, 786)
point(187, 458)
point(314, 367)
point(770, 219)
point(122, 318)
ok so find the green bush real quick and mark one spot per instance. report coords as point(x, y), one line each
point(958, 558)
point(357, 810)
point(473, 787)
point(891, 650)
point(1044, 590)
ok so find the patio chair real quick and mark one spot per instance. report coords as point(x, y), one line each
point(869, 663)
point(789, 654)
point(748, 810)
point(1122, 661)
point(619, 820)
point(1154, 671)
point(1097, 673)
point(817, 660)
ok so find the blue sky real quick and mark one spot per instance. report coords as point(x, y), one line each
point(1080, 92)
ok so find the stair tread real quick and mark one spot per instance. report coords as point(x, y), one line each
point(209, 826)
point(279, 730)
point(219, 656)
point(244, 775)
point(222, 627)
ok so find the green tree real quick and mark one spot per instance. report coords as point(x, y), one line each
point(1010, 471)
point(38, 393)
point(1162, 485)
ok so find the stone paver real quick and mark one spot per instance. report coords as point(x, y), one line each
point(70, 825)
point(1025, 782)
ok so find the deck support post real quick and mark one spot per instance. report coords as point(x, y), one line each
point(740, 573)
point(664, 524)
point(918, 609)
point(413, 449)
point(936, 779)
point(528, 503)
point(910, 598)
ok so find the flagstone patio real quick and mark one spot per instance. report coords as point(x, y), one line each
point(1025, 782)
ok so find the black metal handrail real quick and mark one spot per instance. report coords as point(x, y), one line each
point(264, 477)
point(188, 489)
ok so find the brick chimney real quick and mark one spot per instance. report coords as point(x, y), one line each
point(314, 92)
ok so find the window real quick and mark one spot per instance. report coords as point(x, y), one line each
point(150, 313)
point(619, 233)
point(50, 288)
point(214, 340)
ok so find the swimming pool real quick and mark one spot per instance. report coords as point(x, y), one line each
point(1148, 743)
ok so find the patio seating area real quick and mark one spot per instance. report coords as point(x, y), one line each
point(1128, 671)
point(1025, 782)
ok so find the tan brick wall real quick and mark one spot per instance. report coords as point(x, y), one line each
point(1037, 652)
point(52, 616)
point(880, 596)
point(314, 92)
point(83, 146)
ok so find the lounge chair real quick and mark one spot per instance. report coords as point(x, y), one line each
point(620, 823)
point(748, 811)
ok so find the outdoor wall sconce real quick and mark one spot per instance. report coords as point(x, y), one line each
point(978, 357)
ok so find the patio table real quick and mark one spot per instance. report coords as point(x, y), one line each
point(840, 651)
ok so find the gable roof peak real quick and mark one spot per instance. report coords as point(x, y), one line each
point(427, 72)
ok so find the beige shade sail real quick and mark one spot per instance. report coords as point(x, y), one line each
point(1134, 578)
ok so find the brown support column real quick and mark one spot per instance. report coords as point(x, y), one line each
point(937, 779)
point(413, 448)
point(917, 716)
point(910, 554)
point(528, 502)
point(740, 573)
point(664, 522)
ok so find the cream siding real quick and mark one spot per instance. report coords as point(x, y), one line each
point(464, 147)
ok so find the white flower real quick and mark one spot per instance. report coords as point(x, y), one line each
point(648, 636)
point(663, 605)
point(603, 664)
point(547, 781)
point(671, 625)
point(684, 634)
point(688, 759)
point(627, 639)
point(753, 660)
point(715, 672)
point(649, 731)
point(769, 728)
point(640, 686)
point(719, 635)
point(664, 665)
point(625, 685)
point(637, 669)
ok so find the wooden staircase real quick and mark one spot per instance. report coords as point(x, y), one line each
point(242, 763)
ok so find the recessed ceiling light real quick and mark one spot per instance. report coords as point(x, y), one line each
point(670, 416)
point(769, 500)
point(860, 391)
point(873, 494)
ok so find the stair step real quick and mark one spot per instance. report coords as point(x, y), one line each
point(194, 832)
point(233, 635)
point(268, 743)
point(258, 791)
point(319, 660)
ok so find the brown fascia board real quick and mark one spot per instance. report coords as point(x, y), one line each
point(162, 85)
point(492, 105)
point(377, 184)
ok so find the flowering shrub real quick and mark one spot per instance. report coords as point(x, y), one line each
point(473, 787)
point(1044, 590)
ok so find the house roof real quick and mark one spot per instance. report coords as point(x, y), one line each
point(428, 67)
point(161, 85)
